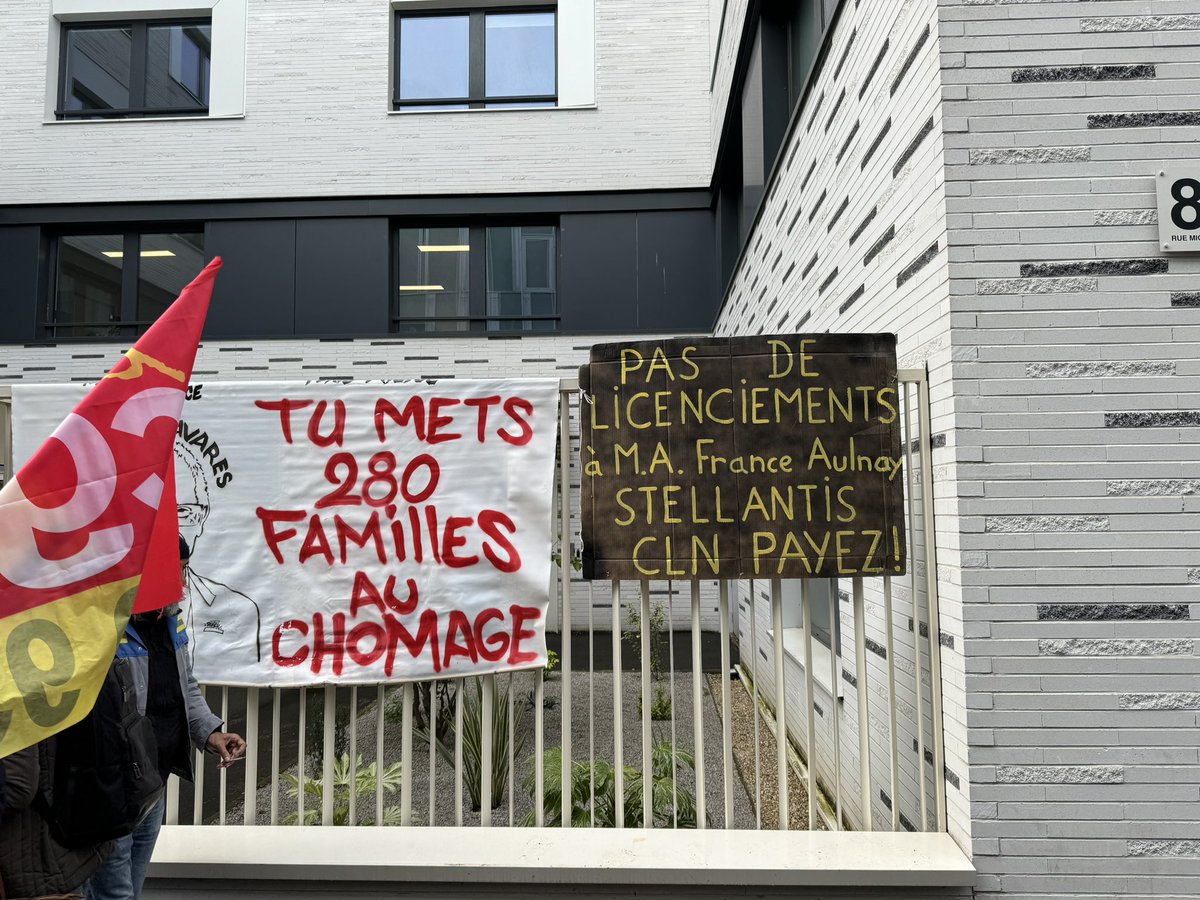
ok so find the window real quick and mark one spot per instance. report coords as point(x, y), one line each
point(492, 278)
point(476, 60)
point(826, 649)
point(132, 69)
point(822, 597)
point(116, 284)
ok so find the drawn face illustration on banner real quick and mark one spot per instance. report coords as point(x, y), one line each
point(217, 615)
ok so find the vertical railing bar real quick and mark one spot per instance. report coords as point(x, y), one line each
point(909, 395)
point(726, 705)
point(697, 708)
point(406, 748)
point(671, 686)
point(891, 670)
point(647, 764)
point(435, 709)
point(754, 701)
point(198, 789)
point(302, 727)
point(276, 712)
point(591, 703)
point(618, 726)
point(864, 708)
point(564, 570)
point(835, 714)
point(173, 800)
point(327, 759)
point(810, 732)
point(487, 702)
point(250, 774)
point(931, 587)
point(512, 751)
point(781, 757)
point(352, 804)
point(539, 749)
point(222, 773)
point(380, 703)
point(459, 691)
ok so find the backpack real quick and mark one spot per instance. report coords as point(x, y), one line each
point(106, 771)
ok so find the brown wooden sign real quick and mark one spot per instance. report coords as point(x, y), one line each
point(766, 456)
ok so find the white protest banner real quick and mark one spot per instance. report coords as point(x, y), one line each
point(356, 533)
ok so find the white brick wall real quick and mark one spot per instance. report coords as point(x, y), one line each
point(1062, 354)
point(1079, 522)
point(316, 123)
point(845, 241)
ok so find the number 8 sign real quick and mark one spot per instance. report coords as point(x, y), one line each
point(1179, 209)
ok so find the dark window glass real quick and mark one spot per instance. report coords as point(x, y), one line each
point(166, 263)
point(804, 39)
point(177, 65)
point(519, 54)
point(112, 285)
point(87, 300)
point(434, 57)
point(475, 60)
point(521, 284)
point(96, 75)
point(433, 293)
point(132, 69)
point(481, 278)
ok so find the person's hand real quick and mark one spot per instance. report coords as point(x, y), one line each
point(230, 747)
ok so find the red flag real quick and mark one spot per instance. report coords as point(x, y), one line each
point(84, 529)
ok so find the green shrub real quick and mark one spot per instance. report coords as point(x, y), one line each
point(366, 782)
point(671, 808)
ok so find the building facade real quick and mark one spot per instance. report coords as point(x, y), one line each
point(976, 176)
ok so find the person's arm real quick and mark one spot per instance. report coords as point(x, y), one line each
point(20, 778)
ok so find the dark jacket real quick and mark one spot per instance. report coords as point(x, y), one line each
point(31, 861)
point(201, 720)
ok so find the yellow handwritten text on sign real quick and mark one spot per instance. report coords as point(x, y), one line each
point(53, 659)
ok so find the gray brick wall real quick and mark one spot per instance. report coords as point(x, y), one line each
point(1062, 352)
point(1074, 372)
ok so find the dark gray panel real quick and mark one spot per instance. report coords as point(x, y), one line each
point(341, 276)
point(255, 294)
point(20, 297)
point(597, 274)
point(677, 278)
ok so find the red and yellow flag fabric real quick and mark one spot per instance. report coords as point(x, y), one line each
point(88, 529)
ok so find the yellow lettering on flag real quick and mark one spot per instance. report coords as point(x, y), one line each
point(53, 659)
point(139, 362)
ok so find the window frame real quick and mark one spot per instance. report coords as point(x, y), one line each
point(477, 97)
point(477, 286)
point(128, 325)
point(138, 55)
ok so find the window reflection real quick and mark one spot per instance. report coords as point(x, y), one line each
point(478, 59)
point(88, 287)
point(521, 278)
point(177, 66)
point(136, 69)
point(519, 54)
point(434, 57)
point(433, 291)
point(166, 264)
point(97, 68)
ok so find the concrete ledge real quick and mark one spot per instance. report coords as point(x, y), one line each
point(559, 856)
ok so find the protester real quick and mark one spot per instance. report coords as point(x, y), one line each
point(32, 862)
point(167, 693)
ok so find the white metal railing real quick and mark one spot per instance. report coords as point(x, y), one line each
point(844, 763)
